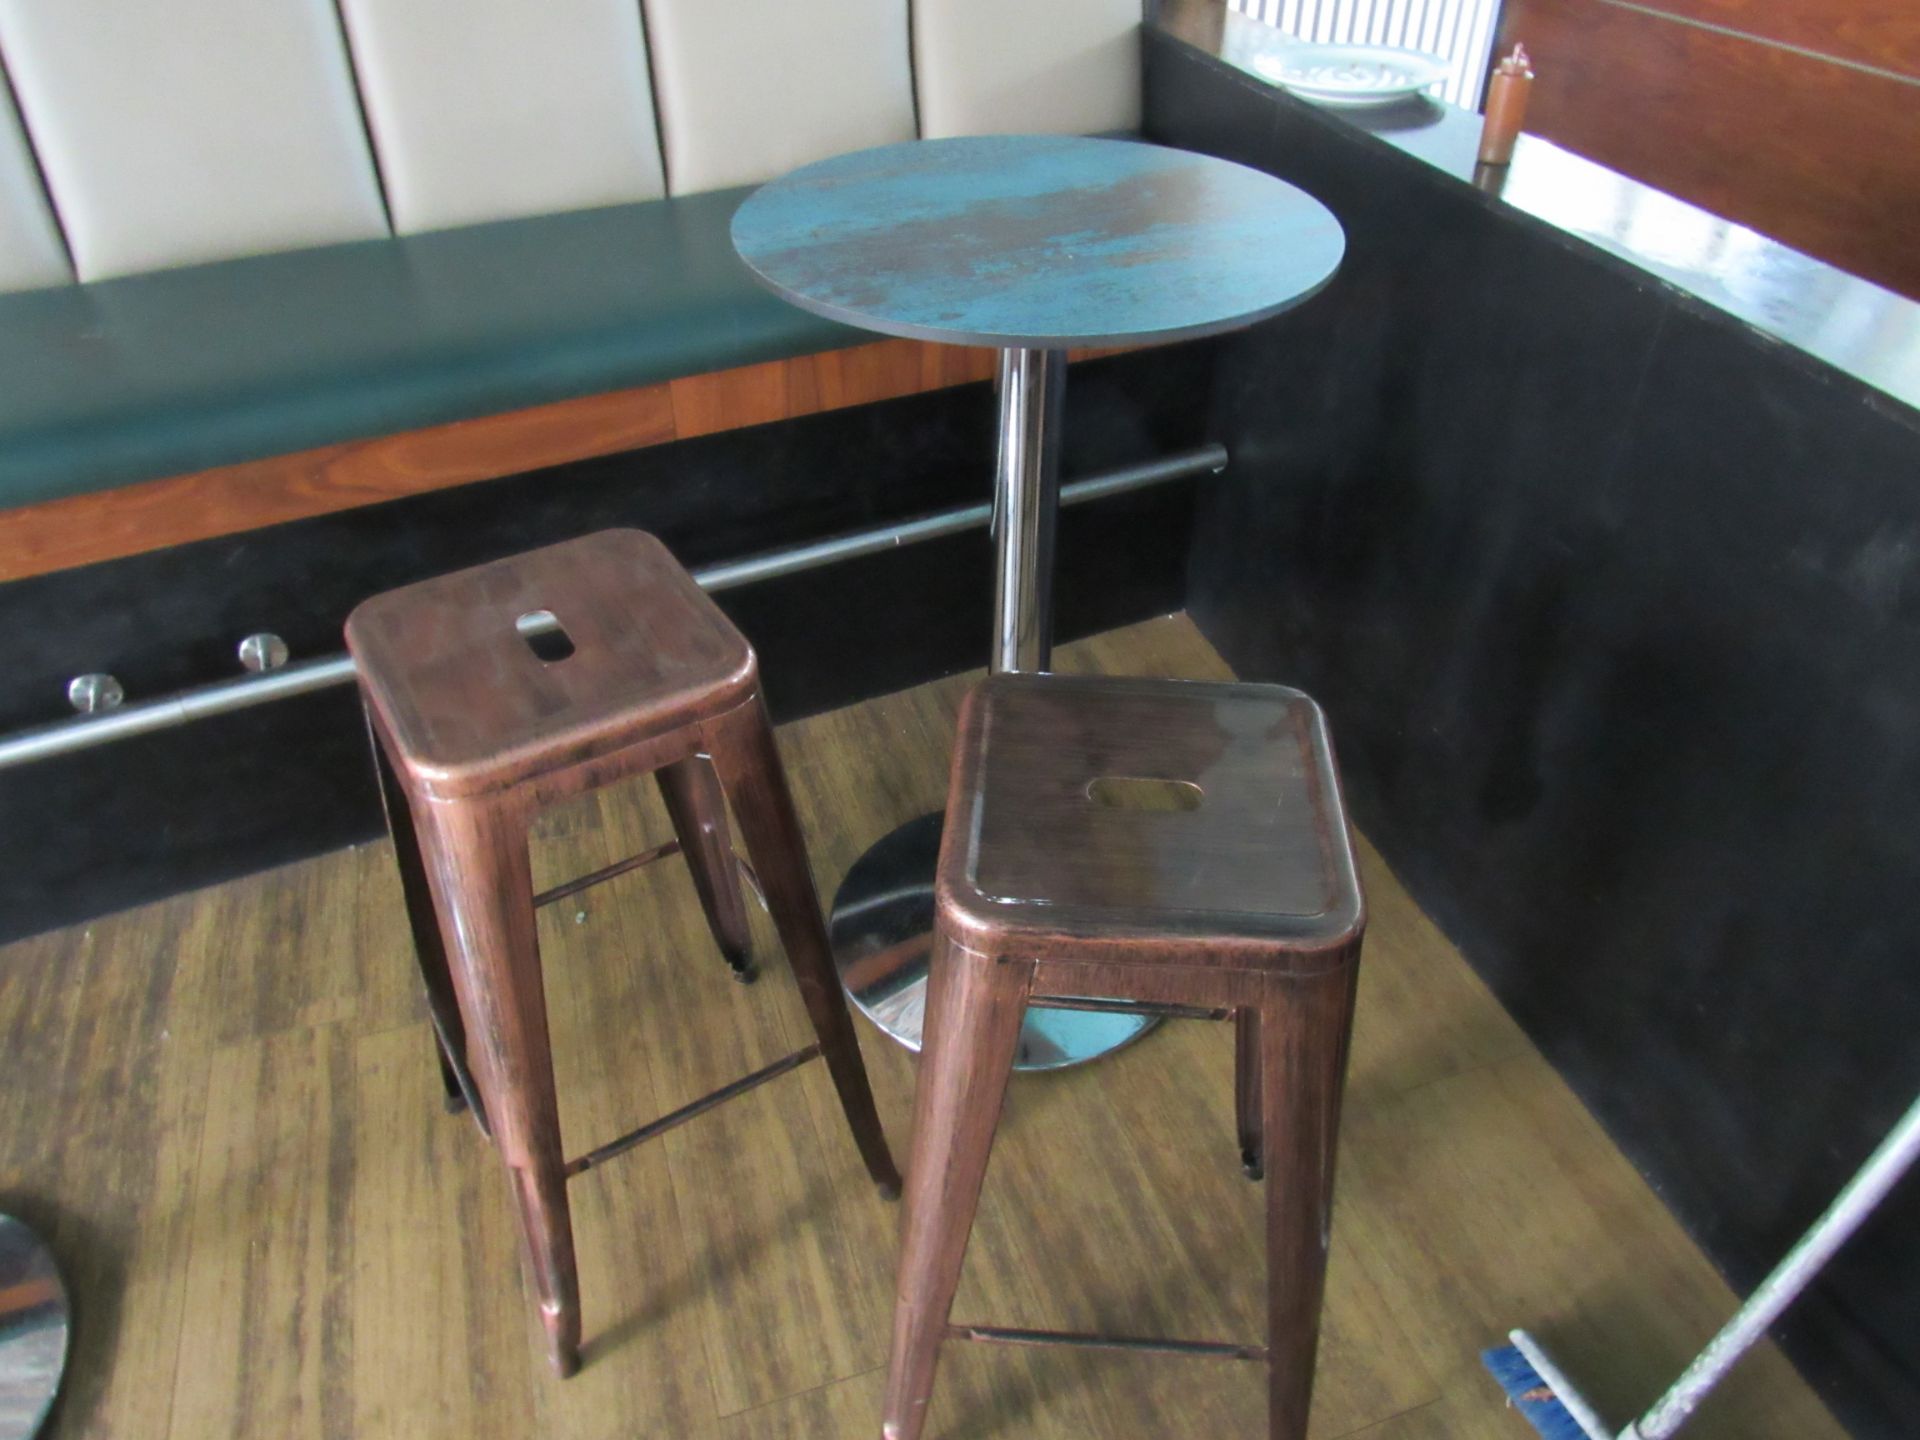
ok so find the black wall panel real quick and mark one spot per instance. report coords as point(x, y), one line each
point(132, 821)
point(1615, 607)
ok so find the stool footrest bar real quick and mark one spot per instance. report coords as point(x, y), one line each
point(606, 872)
point(1164, 1009)
point(72, 734)
point(603, 1153)
point(752, 881)
point(1001, 1335)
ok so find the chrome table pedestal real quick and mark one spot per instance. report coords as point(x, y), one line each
point(883, 913)
point(1030, 245)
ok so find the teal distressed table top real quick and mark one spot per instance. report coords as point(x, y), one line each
point(1037, 241)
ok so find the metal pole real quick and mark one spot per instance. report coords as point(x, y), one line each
point(223, 697)
point(1032, 392)
point(1849, 1211)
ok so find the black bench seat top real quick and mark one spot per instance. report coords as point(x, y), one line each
point(107, 384)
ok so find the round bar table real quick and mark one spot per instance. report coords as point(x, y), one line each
point(1030, 244)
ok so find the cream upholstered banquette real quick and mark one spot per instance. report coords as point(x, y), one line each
point(267, 259)
point(144, 136)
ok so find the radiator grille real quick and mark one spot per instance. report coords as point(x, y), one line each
point(1459, 31)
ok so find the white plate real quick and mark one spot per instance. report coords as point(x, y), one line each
point(1352, 74)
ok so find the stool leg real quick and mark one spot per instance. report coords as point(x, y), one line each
point(1246, 1090)
point(1304, 1027)
point(748, 763)
point(429, 953)
point(700, 820)
point(975, 1006)
point(476, 856)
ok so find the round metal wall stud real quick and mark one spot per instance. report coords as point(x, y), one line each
point(33, 1331)
point(90, 694)
point(263, 651)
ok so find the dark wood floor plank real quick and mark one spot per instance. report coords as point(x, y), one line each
point(437, 1316)
point(266, 1341)
point(224, 1110)
point(645, 1369)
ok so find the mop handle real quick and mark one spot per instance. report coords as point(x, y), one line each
point(1845, 1215)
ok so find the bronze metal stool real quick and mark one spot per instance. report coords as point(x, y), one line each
point(499, 691)
point(1182, 848)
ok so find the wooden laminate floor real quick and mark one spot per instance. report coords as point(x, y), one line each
point(224, 1111)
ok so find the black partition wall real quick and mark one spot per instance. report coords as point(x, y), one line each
point(1614, 602)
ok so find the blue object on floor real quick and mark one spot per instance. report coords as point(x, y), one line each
point(1531, 1395)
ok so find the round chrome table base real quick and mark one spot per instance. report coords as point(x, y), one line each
point(33, 1331)
point(882, 929)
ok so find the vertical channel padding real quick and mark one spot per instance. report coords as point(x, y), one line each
point(749, 89)
point(32, 255)
point(494, 109)
point(192, 130)
point(996, 67)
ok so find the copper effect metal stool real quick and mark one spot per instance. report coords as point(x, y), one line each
point(499, 691)
point(1182, 848)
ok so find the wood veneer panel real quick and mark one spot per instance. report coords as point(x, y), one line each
point(133, 519)
point(173, 511)
point(1818, 155)
point(1885, 33)
point(893, 368)
point(730, 399)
